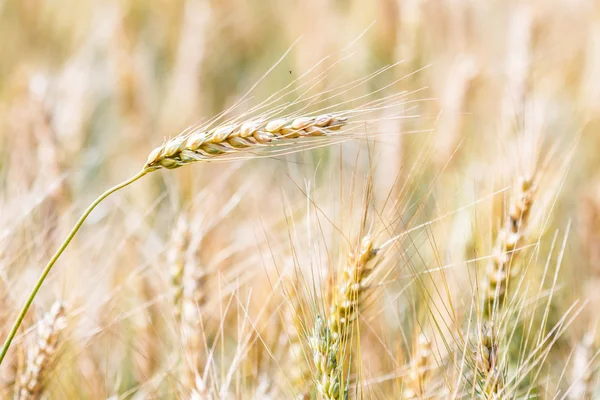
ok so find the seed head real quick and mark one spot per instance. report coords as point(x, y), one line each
point(203, 145)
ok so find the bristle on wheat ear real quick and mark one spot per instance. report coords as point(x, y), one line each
point(202, 145)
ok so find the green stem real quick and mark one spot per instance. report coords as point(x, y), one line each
point(62, 248)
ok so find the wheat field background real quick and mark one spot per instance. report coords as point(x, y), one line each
point(440, 241)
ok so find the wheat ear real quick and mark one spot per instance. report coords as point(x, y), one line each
point(325, 348)
point(290, 338)
point(421, 365)
point(351, 287)
point(490, 375)
point(199, 145)
point(180, 240)
point(327, 340)
point(203, 145)
point(40, 355)
point(509, 240)
point(192, 332)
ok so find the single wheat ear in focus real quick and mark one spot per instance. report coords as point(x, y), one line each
point(204, 145)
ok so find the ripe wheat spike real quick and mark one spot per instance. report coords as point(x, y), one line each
point(202, 145)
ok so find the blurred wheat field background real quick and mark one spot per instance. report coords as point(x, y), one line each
point(446, 244)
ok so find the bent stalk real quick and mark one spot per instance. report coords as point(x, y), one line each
point(58, 253)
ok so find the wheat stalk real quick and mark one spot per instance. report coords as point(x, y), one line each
point(57, 255)
point(39, 357)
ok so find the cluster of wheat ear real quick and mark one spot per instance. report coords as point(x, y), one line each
point(470, 275)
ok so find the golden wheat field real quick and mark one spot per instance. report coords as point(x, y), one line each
point(299, 199)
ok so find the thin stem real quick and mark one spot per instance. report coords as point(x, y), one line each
point(58, 253)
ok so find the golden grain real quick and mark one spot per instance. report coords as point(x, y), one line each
point(204, 145)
